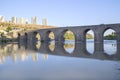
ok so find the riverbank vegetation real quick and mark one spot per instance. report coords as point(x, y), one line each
point(70, 36)
point(9, 31)
point(111, 36)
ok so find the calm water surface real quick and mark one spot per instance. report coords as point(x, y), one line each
point(20, 63)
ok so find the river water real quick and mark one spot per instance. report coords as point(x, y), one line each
point(19, 62)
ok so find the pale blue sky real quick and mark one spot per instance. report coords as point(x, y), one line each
point(64, 12)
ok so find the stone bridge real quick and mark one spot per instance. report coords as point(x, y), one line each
point(78, 31)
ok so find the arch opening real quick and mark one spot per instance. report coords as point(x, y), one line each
point(110, 42)
point(51, 36)
point(26, 34)
point(18, 36)
point(69, 41)
point(89, 35)
point(38, 37)
point(69, 36)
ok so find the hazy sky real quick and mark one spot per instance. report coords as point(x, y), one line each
point(64, 12)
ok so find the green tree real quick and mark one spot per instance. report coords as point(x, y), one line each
point(110, 36)
point(8, 29)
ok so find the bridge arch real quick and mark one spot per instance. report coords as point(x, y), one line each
point(67, 34)
point(69, 40)
point(26, 35)
point(50, 35)
point(87, 30)
point(22, 37)
point(89, 40)
point(36, 36)
point(19, 34)
point(110, 41)
point(116, 29)
point(19, 37)
point(107, 28)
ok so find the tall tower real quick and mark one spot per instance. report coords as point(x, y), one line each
point(23, 21)
point(2, 19)
point(44, 21)
point(34, 20)
point(14, 20)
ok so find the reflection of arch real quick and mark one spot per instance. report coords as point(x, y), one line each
point(89, 38)
point(52, 46)
point(38, 45)
point(69, 47)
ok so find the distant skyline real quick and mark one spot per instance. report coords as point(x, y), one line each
point(64, 12)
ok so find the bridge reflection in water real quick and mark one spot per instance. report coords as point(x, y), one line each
point(23, 51)
point(77, 50)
